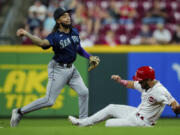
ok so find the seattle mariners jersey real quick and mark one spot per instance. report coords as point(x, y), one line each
point(153, 101)
point(65, 46)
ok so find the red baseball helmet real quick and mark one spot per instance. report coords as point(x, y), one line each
point(143, 73)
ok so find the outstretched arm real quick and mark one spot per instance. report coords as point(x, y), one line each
point(93, 60)
point(36, 40)
point(83, 53)
point(126, 83)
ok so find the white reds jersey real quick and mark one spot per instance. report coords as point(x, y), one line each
point(153, 101)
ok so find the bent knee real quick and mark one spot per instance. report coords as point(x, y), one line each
point(111, 106)
point(109, 123)
point(48, 102)
point(84, 92)
point(51, 103)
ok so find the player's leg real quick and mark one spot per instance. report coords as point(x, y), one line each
point(117, 111)
point(121, 111)
point(132, 121)
point(57, 78)
point(119, 123)
point(78, 85)
point(95, 118)
point(53, 90)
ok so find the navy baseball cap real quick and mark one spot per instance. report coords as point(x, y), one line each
point(60, 11)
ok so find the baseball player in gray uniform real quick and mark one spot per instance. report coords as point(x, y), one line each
point(154, 98)
point(66, 44)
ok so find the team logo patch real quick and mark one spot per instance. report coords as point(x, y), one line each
point(151, 100)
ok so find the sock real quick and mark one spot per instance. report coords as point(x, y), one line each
point(19, 111)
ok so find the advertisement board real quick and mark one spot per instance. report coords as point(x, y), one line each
point(23, 79)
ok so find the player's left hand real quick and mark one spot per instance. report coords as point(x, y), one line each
point(21, 32)
point(177, 110)
point(93, 62)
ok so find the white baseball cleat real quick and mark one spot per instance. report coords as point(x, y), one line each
point(73, 120)
point(79, 122)
point(15, 118)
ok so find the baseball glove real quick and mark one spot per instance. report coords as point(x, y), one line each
point(93, 62)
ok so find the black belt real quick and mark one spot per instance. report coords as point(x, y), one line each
point(66, 65)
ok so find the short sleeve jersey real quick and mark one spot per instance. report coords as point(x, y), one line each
point(64, 45)
point(153, 100)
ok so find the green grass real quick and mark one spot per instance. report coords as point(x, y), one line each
point(64, 127)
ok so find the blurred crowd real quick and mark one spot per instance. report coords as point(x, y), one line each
point(2, 3)
point(111, 22)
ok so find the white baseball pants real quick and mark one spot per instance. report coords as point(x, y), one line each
point(122, 116)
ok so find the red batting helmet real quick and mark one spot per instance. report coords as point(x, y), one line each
point(143, 73)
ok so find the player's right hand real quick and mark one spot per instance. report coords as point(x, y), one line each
point(116, 77)
point(21, 32)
